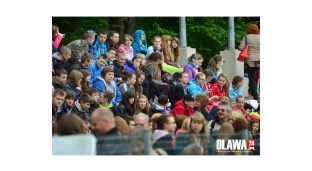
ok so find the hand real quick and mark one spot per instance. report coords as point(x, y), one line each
point(179, 66)
point(216, 97)
point(208, 92)
point(158, 47)
point(117, 104)
point(119, 79)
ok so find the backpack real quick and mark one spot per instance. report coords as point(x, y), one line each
point(168, 78)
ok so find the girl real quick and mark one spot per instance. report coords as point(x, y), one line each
point(175, 49)
point(140, 77)
point(180, 90)
point(215, 64)
point(140, 44)
point(195, 86)
point(135, 64)
point(190, 67)
point(57, 38)
point(236, 87)
point(142, 105)
point(122, 125)
point(156, 47)
point(74, 83)
point(128, 84)
point(255, 127)
point(195, 133)
point(200, 63)
point(220, 88)
point(126, 47)
point(85, 82)
point(152, 70)
point(126, 106)
point(165, 47)
point(240, 102)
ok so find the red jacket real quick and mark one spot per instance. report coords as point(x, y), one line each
point(180, 108)
point(216, 91)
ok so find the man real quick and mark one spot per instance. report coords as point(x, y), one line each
point(86, 61)
point(81, 46)
point(224, 112)
point(60, 59)
point(184, 106)
point(141, 119)
point(162, 136)
point(110, 140)
point(58, 98)
point(96, 67)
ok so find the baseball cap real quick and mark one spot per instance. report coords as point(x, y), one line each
point(189, 97)
point(163, 99)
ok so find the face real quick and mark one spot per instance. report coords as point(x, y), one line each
point(121, 60)
point(89, 63)
point(90, 41)
point(174, 44)
point(201, 80)
point(221, 81)
point(190, 104)
point(128, 42)
point(195, 61)
point(111, 55)
point(58, 100)
point(62, 78)
point(143, 62)
point(169, 42)
point(98, 125)
point(220, 63)
point(69, 101)
point(157, 42)
point(240, 103)
point(240, 83)
point(142, 103)
point(131, 125)
point(143, 37)
point(88, 78)
point(102, 38)
point(196, 126)
point(132, 80)
point(67, 55)
point(141, 121)
point(208, 79)
point(222, 113)
point(95, 97)
point(255, 127)
point(131, 100)
point(84, 105)
point(109, 76)
point(185, 78)
point(200, 62)
point(137, 62)
point(171, 125)
point(141, 79)
point(115, 38)
point(100, 62)
point(198, 104)
point(161, 61)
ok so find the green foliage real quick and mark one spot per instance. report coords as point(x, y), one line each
point(209, 35)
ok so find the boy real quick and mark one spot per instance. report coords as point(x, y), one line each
point(81, 46)
point(111, 54)
point(99, 46)
point(58, 97)
point(96, 67)
point(105, 101)
point(86, 61)
point(60, 80)
point(114, 39)
point(60, 59)
point(118, 66)
point(161, 107)
point(94, 93)
point(69, 101)
point(82, 106)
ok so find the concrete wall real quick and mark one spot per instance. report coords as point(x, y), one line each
point(184, 54)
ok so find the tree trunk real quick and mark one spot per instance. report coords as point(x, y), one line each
point(122, 26)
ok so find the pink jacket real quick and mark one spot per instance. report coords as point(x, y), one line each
point(128, 52)
point(57, 41)
point(174, 141)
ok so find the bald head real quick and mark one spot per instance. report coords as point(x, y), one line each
point(102, 120)
point(103, 113)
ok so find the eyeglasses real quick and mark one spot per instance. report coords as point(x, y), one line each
point(172, 123)
point(202, 79)
point(138, 124)
point(222, 110)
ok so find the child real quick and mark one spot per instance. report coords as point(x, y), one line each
point(240, 102)
point(215, 64)
point(126, 47)
point(105, 101)
point(111, 56)
point(82, 106)
point(60, 80)
point(100, 45)
point(156, 47)
point(97, 66)
point(60, 59)
point(118, 66)
point(236, 87)
point(69, 101)
point(180, 90)
point(86, 126)
point(209, 74)
point(220, 88)
point(94, 93)
point(57, 38)
point(140, 43)
point(254, 127)
point(113, 40)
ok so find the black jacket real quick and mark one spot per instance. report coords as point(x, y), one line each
point(165, 144)
point(112, 143)
point(123, 111)
point(178, 94)
point(204, 112)
point(77, 66)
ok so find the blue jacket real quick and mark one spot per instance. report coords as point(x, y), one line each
point(129, 66)
point(76, 91)
point(234, 94)
point(91, 48)
point(139, 46)
point(99, 49)
point(100, 86)
point(95, 71)
point(194, 88)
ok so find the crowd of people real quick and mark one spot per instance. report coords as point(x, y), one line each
point(117, 91)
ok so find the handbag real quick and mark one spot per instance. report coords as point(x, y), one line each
point(244, 53)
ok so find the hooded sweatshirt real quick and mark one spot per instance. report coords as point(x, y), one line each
point(138, 45)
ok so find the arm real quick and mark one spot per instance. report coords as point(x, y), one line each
point(92, 78)
point(242, 45)
point(188, 70)
point(136, 48)
point(150, 50)
point(57, 41)
point(99, 85)
point(118, 96)
point(123, 88)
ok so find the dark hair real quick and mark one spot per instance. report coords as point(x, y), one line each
point(162, 120)
point(70, 94)
point(125, 101)
point(86, 98)
point(252, 122)
point(112, 33)
point(70, 124)
point(128, 75)
point(137, 87)
point(91, 90)
point(213, 62)
point(59, 72)
point(240, 124)
point(106, 70)
point(109, 95)
point(104, 56)
point(86, 57)
point(128, 119)
point(237, 79)
point(102, 32)
point(208, 73)
point(111, 48)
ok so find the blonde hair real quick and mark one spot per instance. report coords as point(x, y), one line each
point(165, 48)
point(137, 106)
point(154, 120)
point(186, 124)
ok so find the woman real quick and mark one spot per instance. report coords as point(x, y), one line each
point(85, 82)
point(215, 65)
point(175, 48)
point(140, 77)
point(122, 125)
point(152, 70)
point(142, 106)
point(128, 84)
point(126, 106)
point(195, 133)
point(252, 63)
point(105, 82)
point(190, 67)
point(74, 83)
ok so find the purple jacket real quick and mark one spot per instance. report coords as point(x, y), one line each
point(190, 70)
point(129, 66)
